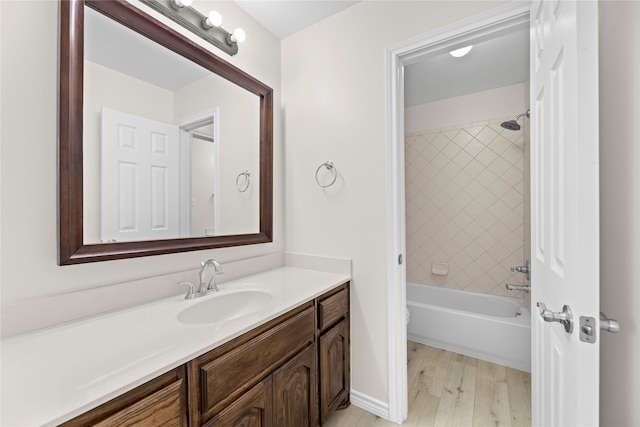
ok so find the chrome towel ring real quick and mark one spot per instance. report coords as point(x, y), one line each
point(330, 167)
point(241, 185)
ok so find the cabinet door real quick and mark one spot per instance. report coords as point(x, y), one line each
point(224, 377)
point(334, 369)
point(252, 409)
point(295, 391)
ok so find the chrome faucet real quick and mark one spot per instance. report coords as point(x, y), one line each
point(211, 286)
point(512, 287)
point(204, 288)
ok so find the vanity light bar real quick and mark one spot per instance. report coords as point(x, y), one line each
point(192, 20)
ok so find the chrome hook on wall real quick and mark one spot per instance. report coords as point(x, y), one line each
point(330, 167)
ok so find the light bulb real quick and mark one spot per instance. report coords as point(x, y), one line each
point(214, 19)
point(459, 53)
point(238, 35)
point(183, 3)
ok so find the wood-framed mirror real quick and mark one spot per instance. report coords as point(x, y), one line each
point(77, 192)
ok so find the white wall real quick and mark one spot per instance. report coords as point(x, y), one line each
point(474, 107)
point(334, 80)
point(29, 61)
point(104, 87)
point(236, 133)
point(620, 211)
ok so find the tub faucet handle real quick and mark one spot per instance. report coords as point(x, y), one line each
point(524, 269)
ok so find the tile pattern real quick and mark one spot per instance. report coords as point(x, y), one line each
point(465, 205)
point(449, 389)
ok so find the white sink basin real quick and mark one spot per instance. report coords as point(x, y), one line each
point(225, 305)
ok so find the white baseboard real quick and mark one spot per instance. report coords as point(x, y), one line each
point(370, 404)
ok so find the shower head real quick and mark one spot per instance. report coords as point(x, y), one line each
point(513, 124)
point(510, 125)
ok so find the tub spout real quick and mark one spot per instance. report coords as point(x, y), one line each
point(512, 287)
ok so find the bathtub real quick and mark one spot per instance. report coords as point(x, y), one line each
point(487, 327)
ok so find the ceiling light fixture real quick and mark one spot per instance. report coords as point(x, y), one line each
point(213, 19)
point(178, 4)
point(205, 26)
point(459, 53)
point(238, 36)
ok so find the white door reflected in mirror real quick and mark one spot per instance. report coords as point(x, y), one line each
point(192, 192)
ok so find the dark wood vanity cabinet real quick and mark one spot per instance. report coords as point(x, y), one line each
point(333, 350)
point(292, 371)
point(300, 362)
point(159, 402)
point(284, 399)
point(274, 351)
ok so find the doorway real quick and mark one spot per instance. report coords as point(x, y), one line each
point(479, 28)
point(199, 179)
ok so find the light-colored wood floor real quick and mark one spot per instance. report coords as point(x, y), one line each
point(449, 389)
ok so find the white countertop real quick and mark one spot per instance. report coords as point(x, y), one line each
point(53, 375)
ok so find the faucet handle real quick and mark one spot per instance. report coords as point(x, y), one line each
point(212, 287)
point(525, 269)
point(191, 293)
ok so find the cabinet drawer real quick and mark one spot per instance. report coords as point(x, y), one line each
point(333, 308)
point(160, 402)
point(162, 408)
point(228, 376)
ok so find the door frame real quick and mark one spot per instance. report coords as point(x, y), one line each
point(186, 126)
point(485, 25)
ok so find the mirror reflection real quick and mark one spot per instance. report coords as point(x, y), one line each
point(168, 147)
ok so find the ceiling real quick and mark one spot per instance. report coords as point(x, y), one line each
point(498, 62)
point(143, 59)
point(494, 63)
point(283, 18)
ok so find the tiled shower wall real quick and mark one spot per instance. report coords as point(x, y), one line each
point(465, 198)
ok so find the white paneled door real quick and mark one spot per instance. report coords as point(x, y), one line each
point(140, 178)
point(565, 204)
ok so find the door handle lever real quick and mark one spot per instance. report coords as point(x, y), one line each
point(565, 316)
